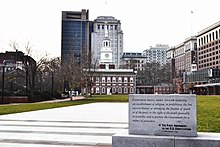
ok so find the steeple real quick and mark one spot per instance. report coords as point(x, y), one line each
point(106, 30)
point(106, 52)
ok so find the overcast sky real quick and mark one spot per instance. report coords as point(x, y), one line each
point(144, 23)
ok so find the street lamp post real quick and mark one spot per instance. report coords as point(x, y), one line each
point(52, 82)
point(26, 80)
point(135, 81)
point(27, 77)
point(3, 82)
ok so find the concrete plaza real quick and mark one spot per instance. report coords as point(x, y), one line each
point(82, 125)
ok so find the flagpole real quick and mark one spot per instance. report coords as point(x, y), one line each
point(191, 14)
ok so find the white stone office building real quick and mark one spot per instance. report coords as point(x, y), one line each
point(182, 59)
point(132, 60)
point(156, 54)
point(185, 56)
point(115, 36)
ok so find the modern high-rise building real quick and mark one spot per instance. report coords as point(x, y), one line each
point(156, 54)
point(75, 41)
point(115, 36)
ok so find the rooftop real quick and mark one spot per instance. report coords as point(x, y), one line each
point(132, 55)
point(215, 25)
point(106, 18)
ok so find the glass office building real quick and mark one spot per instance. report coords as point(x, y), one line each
point(75, 41)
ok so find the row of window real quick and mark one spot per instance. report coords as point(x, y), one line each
point(155, 61)
point(210, 55)
point(180, 64)
point(107, 44)
point(114, 79)
point(155, 51)
point(114, 90)
point(209, 37)
point(111, 27)
point(209, 45)
point(134, 61)
point(157, 58)
point(154, 55)
point(208, 50)
point(209, 59)
point(181, 53)
point(179, 68)
point(164, 88)
point(210, 65)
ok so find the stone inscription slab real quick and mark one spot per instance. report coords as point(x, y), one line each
point(173, 115)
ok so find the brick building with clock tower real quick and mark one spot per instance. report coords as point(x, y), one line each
point(109, 80)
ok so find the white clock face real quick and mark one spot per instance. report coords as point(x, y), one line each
point(106, 55)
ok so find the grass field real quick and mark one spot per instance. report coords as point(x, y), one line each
point(208, 113)
point(208, 109)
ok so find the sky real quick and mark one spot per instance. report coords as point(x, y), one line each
point(144, 23)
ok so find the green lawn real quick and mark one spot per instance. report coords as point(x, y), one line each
point(208, 114)
point(208, 109)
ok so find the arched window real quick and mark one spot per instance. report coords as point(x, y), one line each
point(131, 80)
point(113, 89)
point(125, 79)
point(113, 79)
point(103, 89)
point(119, 90)
point(97, 79)
point(109, 79)
point(103, 79)
point(125, 90)
point(119, 80)
point(131, 90)
point(213, 36)
point(97, 90)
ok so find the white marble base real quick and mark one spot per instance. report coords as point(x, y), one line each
point(123, 139)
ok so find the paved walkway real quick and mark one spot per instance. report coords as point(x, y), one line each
point(82, 126)
point(64, 100)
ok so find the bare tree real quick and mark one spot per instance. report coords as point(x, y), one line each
point(153, 74)
point(14, 45)
point(28, 48)
point(49, 77)
point(30, 65)
point(88, 70)
point(71, 73)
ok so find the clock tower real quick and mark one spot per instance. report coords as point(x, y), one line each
point(105, 61)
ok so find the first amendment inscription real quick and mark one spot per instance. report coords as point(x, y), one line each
point(173, 115)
